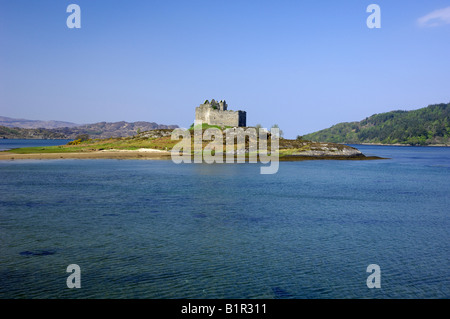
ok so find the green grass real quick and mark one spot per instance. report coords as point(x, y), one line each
point(164, 143)
point(47, 149)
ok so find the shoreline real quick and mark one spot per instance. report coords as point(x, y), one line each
point(150, 155)
point(406, 145)
point(87, 155)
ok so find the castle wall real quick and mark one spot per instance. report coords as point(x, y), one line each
point(207, 114)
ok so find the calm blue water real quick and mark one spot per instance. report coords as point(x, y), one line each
point(8, 144)
point(153, 229)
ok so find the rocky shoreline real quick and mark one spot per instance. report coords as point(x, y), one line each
point(166, 155)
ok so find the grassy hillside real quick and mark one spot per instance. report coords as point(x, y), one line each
point(426, 126)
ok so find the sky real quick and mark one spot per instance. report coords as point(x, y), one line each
point(304, 65)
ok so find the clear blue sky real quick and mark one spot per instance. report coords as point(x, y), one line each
point(304, 65)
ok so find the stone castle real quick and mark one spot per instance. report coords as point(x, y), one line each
point(217, 113)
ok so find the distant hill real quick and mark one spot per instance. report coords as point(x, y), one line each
point(21, 123)
point(29, 133)
point(116, 129)
point(96, 130)
point(426, 126)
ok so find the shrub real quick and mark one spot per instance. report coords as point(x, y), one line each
point(82, 137)
point(75, 142)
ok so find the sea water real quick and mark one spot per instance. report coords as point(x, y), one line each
point(7, 144)
point(154, 229)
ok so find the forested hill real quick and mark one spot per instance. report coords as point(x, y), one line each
point(426, 126)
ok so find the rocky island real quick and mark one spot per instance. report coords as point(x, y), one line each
point(158, 143)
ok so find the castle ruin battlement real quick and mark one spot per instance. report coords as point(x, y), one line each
point(217, 113)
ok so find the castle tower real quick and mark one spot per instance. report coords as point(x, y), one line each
point(223, 105)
